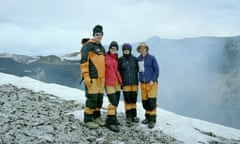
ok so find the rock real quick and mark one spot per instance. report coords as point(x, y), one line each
point(28, 117)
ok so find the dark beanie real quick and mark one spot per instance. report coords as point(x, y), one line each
point(97, 29)
point(113, 44)
point(126, 46)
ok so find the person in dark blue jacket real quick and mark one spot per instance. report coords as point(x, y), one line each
point(148, 77)
point(128, 67)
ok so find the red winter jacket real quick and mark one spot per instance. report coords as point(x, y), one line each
point(111, 70)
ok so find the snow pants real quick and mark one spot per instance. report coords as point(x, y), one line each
point(94, 95)
point(149, 100)
point(130, 94)
point(113, 94)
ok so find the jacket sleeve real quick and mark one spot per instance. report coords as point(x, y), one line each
point(155, 70)
point(84, 62)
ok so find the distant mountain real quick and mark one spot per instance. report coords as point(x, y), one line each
point(52, 69)
point(199, 77)
point(19, 58)
point(72, 57)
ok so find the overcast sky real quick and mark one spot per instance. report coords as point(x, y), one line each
point(57, 26)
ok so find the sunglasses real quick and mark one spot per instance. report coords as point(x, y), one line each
point(126, 48)
point(113, 49)
point(98, 34)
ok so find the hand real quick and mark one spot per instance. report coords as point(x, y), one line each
point(87, 81)
point(151, 82)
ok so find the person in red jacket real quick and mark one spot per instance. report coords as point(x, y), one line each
point(113, 83)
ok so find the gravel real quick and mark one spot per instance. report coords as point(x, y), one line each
point(28, 117)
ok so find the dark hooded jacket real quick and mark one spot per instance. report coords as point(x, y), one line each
point(128, 67)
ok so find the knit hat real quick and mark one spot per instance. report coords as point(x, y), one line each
point(126, 46)
point(97, 29)
point(113, 44)
point(142, 45)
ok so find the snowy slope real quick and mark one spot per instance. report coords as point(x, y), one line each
point(72, 57)
point(182, 128)
point(20, 58)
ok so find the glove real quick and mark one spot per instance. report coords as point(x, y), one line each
point(87, 80)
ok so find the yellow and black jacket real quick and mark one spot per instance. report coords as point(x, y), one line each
point(92, 60)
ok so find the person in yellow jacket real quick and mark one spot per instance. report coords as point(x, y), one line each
point(92, 65)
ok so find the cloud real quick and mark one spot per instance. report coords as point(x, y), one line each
point(63, 23)
point(45, 40)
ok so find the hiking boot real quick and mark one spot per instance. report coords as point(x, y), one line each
point(117, 122)
point(91, 125)
point(99, 121)
point(135, 119)
point(112, 127)
point(151, 124)
point(129, 122)
point(145, 121)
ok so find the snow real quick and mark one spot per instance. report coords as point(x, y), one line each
point(185, 129)
point(71, 58)
point(20, 58)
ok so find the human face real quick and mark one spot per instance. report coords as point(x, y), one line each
point(98, 37)
point(126, 51)
point(143, 50)
point(113, 50)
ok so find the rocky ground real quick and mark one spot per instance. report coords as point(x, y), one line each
point(28, 117)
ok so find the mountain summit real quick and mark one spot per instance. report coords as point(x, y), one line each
point(37, 112)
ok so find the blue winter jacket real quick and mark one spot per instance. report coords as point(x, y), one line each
point(151, 69)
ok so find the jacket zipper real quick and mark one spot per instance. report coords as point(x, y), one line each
point(129, 81)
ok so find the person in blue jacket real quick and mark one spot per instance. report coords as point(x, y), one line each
point(148, 77)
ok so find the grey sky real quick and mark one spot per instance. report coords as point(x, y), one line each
point(56, 26)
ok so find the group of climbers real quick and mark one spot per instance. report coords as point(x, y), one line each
point(106, 71)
